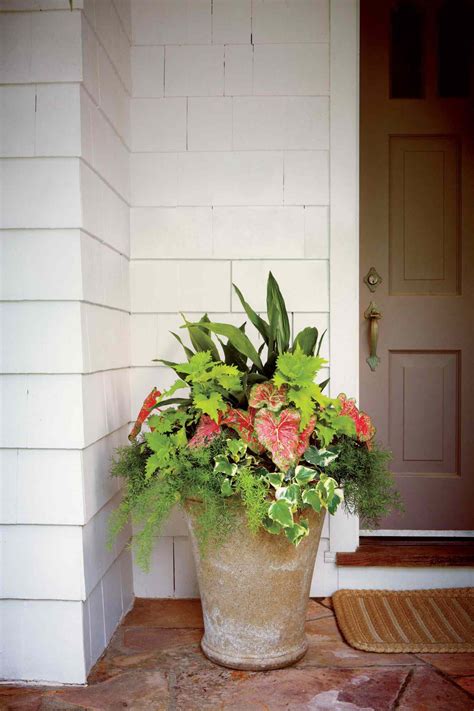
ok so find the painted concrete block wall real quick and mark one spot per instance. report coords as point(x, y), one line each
point(64, 357)
point(230, 138)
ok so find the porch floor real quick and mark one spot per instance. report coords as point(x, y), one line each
point(154, 662)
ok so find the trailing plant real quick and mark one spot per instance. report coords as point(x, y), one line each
point(252, 429)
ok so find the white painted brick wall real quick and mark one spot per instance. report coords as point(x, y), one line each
point(229, 178)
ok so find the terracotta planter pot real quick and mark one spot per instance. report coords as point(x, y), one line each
point(254, 594)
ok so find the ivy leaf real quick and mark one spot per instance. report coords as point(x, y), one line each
point(297, 532)
point(312, 498)
point(275, 479)
point(290, 493)
point(320, 457)
point(226, 488)
point(272, 526)
point(209, 404)
point(237, 448)
point(280, 511)
point(304, 475)
point(223, 466)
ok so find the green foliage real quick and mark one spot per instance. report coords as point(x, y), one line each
point(367, 482)
point(191, 455)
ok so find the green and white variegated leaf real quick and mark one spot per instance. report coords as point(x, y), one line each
point(320, 457)
point(304, 475)
point(297, 532)
point(223, 466)
point(226, 488)
point(312, 498)
point(280, 511)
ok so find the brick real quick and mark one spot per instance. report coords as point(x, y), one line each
point(171, 21)
point(111, 158)
point(210, 124)
point(291, 69)
point(56, 52)
point(296, 21)
point(307, 178)
point(90, 66)
point(171, 232)
point(99, 486)
point(15, 44)
point(258, 232)
point(154, 179)
point(159, 581)
point(238, 70)
point(158, 124)
point(17, 127)
point(114, 100)
point(194, 70)
point(231, 21)
point(148, 71)
point(159, 286)
point(304, 284)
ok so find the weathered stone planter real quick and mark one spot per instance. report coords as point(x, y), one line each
point(254, 594)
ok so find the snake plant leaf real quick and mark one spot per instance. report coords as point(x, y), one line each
point(277, 315)
point(323, 384)
point(260, 324)
point(321, 341)
point(200, 338)
point(306, 340)
point(189, 353)
point(236, 337)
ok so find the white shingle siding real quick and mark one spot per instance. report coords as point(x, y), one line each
point(229, 178)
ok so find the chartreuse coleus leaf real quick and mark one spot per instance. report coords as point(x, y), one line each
point(210, 404)
point(297, 368)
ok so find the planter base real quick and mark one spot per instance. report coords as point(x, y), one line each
point(254, 663)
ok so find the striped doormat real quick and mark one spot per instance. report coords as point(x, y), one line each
point(407, 620)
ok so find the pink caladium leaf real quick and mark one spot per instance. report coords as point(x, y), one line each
point(280, 435)
point(268, 395)
point(206, 430)
point(365, 430)
point(243, 422)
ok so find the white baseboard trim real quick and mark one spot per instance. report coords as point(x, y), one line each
point(409, 533)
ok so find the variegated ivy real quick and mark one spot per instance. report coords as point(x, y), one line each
point(266, 403)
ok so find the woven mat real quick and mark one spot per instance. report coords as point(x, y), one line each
point(407, 620)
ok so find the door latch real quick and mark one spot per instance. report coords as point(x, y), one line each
point(372, 279)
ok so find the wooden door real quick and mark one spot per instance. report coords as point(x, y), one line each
point(417, 231)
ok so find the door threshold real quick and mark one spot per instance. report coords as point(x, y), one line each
point(396, 552)
point(409, 533)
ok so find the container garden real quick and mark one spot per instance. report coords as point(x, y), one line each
point(248, 444)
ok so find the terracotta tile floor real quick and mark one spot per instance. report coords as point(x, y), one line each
point(154, 662)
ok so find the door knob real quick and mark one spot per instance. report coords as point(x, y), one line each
point(373, 315)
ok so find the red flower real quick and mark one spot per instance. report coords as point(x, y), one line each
point(365, 430)
point(148, 405)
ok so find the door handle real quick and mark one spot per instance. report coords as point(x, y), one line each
point(373, 315)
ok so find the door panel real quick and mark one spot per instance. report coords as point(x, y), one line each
point(417, 231)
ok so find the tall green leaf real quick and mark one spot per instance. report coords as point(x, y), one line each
point(306, 340)
point(277, 315)
point(188, 351)
point(199, 338)
point(236, 338)
point(321, 341)
point(262, 326)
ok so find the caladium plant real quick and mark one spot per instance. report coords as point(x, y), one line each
point(253, 421)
